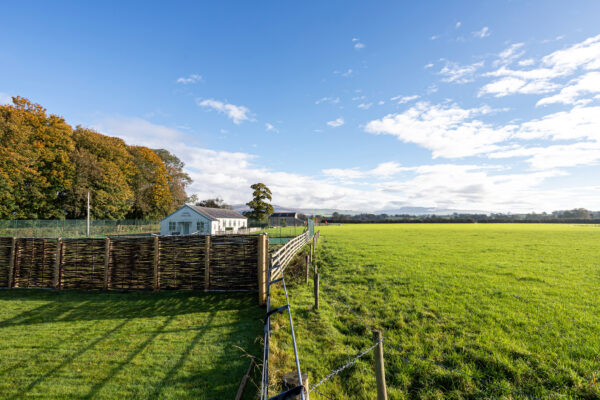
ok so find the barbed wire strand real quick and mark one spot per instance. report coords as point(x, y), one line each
point(324, 395)
point(441, 365)
point(350, 363)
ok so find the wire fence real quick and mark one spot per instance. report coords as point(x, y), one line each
point(408, 357)
point(278, 262)
point(76, 227)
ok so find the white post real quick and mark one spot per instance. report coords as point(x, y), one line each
point(88, 214)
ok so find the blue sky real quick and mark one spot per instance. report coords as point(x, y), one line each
point(479, 105)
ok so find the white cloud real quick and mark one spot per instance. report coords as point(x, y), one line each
point(484, 32)
point(270, 128)
point(404, 99)
point(336, 122)
point(579, 123)
point(229, 175)
point(332, 100)
point(511, 51)
point(365, 106)
point(380, 102)
point(527, 62)
point(540, 79)
point(510, 85)
point(447, 130)
point(358, 44)
point(186, 80)
point(458, 24)
point(455, 186)
point(587, 83)
point(567, 155)
point(452, 132)
point(434, 37)
point(510, 54)
point(457, 73)
point(383, 170)
point(237, 113)
point(5, 98)
point(427, 66)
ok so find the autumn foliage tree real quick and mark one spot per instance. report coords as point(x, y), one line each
point(47, 169)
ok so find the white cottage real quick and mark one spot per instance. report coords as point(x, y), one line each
point(202, 221)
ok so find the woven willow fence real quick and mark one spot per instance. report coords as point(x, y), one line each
point(132, 263)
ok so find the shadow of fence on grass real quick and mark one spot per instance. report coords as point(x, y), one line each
point(91, 306)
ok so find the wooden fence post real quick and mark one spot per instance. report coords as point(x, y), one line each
point(262, 268)
point(11, 262)
point(155, 263)
point(307, 267)
point(316, 278)
point(106, 262)
point(379, 366)
point(207, 263)
point(57, 261)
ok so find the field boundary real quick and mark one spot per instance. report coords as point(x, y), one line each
point(209, 263)
point(275, 274)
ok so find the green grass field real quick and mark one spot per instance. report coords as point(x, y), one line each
point(166, 345)
point(478, 311)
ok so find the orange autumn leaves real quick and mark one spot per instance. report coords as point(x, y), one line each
point(47, 168)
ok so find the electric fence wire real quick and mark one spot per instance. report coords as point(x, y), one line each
point(484, 381)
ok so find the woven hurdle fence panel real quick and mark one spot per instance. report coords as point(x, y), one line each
point(34, 261)
point(131, 264)
point(82, 265)
point(233, 262)
point(5, 247)
point(181, 262)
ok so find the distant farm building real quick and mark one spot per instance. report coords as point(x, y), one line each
point(285, 219)
point(202, 221)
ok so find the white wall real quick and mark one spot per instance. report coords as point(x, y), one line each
point(188, 216)
point(226, 224)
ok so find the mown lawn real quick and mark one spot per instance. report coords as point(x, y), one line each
point(166, 345)
point(477, 311)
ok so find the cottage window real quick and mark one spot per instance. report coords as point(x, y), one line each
point(172, 226)
point(200, 226)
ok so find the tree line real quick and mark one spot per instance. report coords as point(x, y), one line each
point(47, 169)
point(562, 216)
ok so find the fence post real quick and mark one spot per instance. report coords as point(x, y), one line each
point(11, 262)
point(312, 249)
point(316, 278)
point(262, 268)
point(155, 263)
point(56, 270)
point(379, 366)
point(206, 263)
point(106, 262)
point(307, 267)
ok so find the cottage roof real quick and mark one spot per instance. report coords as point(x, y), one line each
point(215, 213)
point(284, 214)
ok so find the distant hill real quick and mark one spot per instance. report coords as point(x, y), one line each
point(401, 210)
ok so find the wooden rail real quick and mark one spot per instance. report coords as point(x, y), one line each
point(282, 257)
